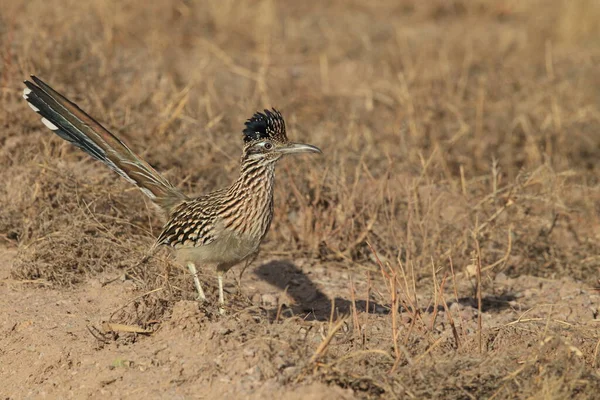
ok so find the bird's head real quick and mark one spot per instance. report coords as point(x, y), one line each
point(265, 138)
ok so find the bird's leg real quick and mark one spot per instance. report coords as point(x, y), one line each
point(194, 273)
point(221, 295)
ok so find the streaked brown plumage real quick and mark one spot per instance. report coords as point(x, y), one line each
point(224, 227)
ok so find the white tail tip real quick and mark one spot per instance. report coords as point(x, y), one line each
point(34, 108)
point(49, 124)
point(26, 92)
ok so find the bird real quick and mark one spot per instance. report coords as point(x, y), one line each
point(222, 228)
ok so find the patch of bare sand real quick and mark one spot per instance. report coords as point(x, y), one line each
point(47, 348)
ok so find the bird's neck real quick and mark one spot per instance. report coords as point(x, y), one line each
point(256, 177)
point(252, 197)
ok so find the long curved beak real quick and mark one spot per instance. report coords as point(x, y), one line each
point(295, 148)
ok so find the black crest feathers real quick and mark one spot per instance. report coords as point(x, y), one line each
point(269, 125)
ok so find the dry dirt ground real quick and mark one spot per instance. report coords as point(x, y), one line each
point(446, 245)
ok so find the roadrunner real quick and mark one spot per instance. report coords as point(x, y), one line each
point(222, 228)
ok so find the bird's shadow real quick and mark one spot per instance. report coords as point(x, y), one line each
point(311, 303)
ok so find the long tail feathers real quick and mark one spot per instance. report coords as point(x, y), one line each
point(72, 124)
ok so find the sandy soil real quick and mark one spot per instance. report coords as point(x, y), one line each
point(56, 344)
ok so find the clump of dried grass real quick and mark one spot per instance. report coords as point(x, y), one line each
point(412, 177)
point(70, 225)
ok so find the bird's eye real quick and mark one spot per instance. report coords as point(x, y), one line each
point(268, 146)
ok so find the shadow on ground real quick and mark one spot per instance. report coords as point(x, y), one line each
point(313, 304)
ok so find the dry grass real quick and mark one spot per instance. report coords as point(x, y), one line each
point(454, 132)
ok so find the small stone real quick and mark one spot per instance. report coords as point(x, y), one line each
point(471, 270)
point(269, 299)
